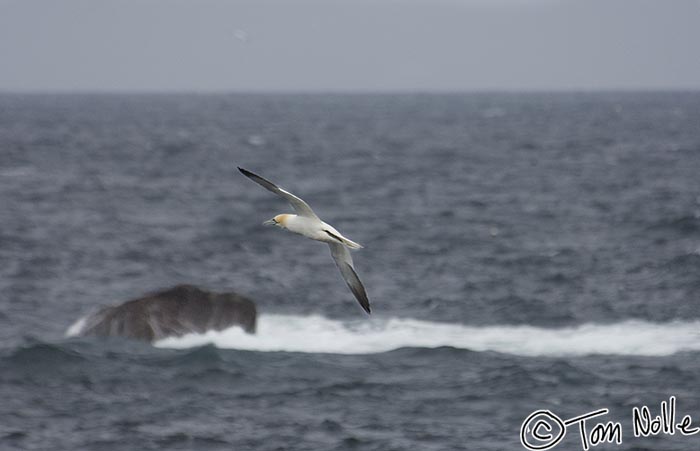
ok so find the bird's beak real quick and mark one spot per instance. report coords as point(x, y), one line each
point(270, 222)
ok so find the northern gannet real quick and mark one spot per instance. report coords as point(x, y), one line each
point(306, 223)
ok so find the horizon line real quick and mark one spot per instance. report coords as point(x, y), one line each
point(573, 90)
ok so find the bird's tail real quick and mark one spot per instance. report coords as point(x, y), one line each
point(338, 237)
point(351, 244)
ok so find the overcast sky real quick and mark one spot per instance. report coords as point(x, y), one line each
point(348, 45)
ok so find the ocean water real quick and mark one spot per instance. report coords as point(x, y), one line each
point(523, 252)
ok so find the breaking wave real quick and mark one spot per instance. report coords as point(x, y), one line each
point(317, 334)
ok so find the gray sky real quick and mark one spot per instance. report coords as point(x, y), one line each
point(348, 45)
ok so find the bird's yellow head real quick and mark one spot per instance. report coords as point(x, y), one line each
point(279, 220)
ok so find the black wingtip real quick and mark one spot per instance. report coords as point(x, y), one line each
point(365, 305)
point(244, 171)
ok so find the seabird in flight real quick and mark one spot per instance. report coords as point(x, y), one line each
point(306, 223)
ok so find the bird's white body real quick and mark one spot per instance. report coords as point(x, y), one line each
point(313, 228)
point(310, 228)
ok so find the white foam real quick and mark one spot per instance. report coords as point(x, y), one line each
point(317, 334)
point(76, 328)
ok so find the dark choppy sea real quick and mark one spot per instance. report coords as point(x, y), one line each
point(522, 252)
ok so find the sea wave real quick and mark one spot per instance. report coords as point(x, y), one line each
point(318, 334)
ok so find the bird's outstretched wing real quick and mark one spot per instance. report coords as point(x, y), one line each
point(343, 260)
point(301, 207)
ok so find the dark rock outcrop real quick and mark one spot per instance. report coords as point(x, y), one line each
point(173, 312)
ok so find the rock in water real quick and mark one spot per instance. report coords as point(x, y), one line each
point(173, 312)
